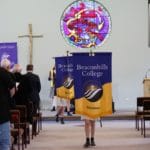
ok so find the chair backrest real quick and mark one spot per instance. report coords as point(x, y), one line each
point(140, 101)
point(16, 130)
point(15, 116)
point(146, 106)
point(23, 112)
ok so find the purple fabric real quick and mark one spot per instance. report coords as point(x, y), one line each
point(9, 51)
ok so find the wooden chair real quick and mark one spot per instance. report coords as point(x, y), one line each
point(23, 123)
point(139, 110)
point(16, 131)
point(146, 116)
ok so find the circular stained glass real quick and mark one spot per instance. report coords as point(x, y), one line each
point(85, 24)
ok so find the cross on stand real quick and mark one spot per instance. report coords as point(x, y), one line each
point(30, 36)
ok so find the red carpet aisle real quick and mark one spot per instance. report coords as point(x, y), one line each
point(114, 135)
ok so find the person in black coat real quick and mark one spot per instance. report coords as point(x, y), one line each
point(35, 87)
point(7, 90)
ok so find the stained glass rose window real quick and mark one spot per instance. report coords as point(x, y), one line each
point(85, 24)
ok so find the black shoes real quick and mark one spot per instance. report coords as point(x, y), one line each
point(57, 118)
point(93, 143)
point(88, 143)
point(69, 114)
point(62, 121)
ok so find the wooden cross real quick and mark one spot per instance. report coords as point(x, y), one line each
point(30, 36)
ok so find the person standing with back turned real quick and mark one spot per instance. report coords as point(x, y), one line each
point(35, 86)
point(7, 90)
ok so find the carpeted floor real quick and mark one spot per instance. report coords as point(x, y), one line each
point(114, 135)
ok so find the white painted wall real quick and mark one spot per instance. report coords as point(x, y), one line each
point(128, 41)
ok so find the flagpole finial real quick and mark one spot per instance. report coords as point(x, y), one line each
point(67, 52)
point(91, 53)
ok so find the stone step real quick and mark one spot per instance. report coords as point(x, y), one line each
point(120, 115)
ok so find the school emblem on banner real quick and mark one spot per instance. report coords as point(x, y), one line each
point(93, 87)
point(64, 78)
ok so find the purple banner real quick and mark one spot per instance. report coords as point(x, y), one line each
point(9, 51)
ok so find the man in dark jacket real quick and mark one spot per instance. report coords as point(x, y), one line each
point(35, 87)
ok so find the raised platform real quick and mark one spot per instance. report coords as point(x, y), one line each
point(48, 115)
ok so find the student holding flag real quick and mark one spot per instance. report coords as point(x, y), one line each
point(64, 85)
point(92, 84)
